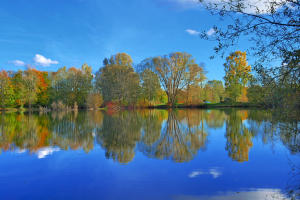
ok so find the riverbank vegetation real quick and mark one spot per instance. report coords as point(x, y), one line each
point(173, 80)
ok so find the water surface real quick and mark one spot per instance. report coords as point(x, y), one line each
point(150, 154)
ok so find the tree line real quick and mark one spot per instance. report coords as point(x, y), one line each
point(171, 80)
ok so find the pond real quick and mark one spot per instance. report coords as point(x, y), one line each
point(150, 154)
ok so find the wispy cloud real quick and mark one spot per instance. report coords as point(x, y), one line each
point(192, 32)
point(43, 61)
point(18, 63)
point(210, 32)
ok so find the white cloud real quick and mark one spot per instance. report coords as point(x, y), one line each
point(210, 32)
point(42, 153)
point(192, 32)
point(43, 61)
point(18, 63)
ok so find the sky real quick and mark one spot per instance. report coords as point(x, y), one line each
point(50, 34)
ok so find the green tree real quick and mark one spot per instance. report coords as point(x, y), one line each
point(6, 90)
point(237, 74)
point(173, 72)
point(117, 80)
point(150, 84)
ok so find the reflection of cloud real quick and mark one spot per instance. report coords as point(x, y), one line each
point(195, 174)
point(214, 172)
point(21, 151)
point(257, 194)
point(42, 153)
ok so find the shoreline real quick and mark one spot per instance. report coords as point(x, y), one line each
point(201, 106)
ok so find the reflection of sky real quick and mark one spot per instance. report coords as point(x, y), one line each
point(210, 175)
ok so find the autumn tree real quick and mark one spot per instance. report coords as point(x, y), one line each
point(173, 72)
point(6, 90)
point(195, 77)
point(94, 101)
point(214, 91)
point(237, 74)
point(117, 80)
point(150, 84)
point(73, 85)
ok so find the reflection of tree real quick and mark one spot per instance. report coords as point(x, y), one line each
point(177, 141)
point(119, 135)
point(33, 132)
point(277, 124)
point(215, 118)
point(239, 138)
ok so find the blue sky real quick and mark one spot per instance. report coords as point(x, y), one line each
point(49, 34)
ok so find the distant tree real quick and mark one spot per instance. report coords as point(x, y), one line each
point(19, 88)
point(6, 90)
point(237, 74)
point(195, 77)
point(173, 72)
point(150, 84)
point(117, 80)
point(214, 91)
point(94, 101)
point(30, 82)
point(72, 85)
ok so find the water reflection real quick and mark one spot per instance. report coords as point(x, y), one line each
point(175, 135)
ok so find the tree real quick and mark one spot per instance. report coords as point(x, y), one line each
point(150, 84)
point(194, 78)
point(72, 85)
point(6, 90)
point(117, 80)
point(173, 72)
point(214, 91)
point(237, 74)
point(273, 25)
point(30, 82)
point(94, 101)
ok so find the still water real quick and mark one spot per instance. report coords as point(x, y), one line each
point(149, 154)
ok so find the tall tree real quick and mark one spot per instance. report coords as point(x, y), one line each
point(117, 80)
point(150, 84)
point(237, 74)
point(6, 90)
point(173, 72)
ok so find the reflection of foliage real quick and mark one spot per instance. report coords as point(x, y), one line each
point(177, 141)
point(175, 135)
point(119, 135)
point(239, 138)
point(33, 132)
point(215, 118)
